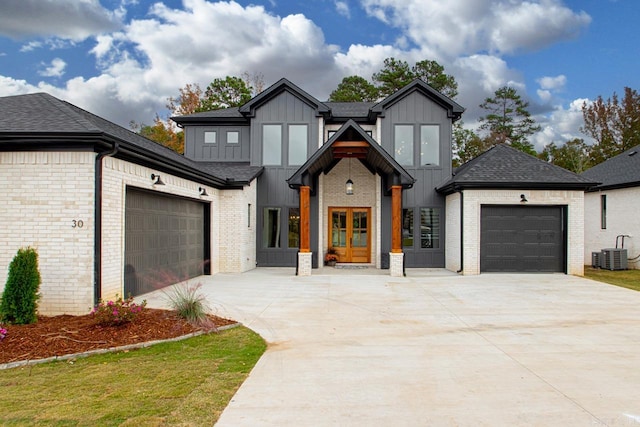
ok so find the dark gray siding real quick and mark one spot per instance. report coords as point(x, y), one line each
point(273, 191)
point(196, 149)
point(416, 109)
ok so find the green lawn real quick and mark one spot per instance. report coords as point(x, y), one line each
point(185, 383)
point(625, 278)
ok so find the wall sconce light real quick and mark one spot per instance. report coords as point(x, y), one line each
point(156, 179)
point(523, 199)
point(202, 191)
point(349, 184)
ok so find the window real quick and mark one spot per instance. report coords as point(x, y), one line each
point(233, 137)
point(294, 227)
point(603, 211)
point(210, 137)
point(272, 145)
point(249, 215)
point(407, 228)
point(298, 142)
point(429, 145)
point(271, 228)
point(429, 228)
point(403, 144)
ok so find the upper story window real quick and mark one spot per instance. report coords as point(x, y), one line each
point(210, 137)
point(298, 143)
point(233, 137)
point(403, 144)
point(272, 145)
point(429, 145)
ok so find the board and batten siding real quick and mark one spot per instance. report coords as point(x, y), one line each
point(220, 151)
point(284, 109)
point(417, 109)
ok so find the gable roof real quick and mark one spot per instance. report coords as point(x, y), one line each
point(41, 121)
point(454, 110)
point(372, 156)
point(505, 167)
point(277, 88)
point(621, 171)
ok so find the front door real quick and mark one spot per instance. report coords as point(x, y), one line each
point(350, 236)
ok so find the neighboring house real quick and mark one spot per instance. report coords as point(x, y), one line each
point(111, 212)
point(275, 182)
point(612, 206)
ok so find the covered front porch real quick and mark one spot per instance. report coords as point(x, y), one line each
point(358, 190)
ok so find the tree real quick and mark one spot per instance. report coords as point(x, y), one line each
point(187, 102)
point(394, 76)
point(20, 297)
point(433, 74)
point(164, 134)
point(354, 89)
point(573, 155)
point(613, 124)
point(225, 93)
point(508, 120)
point(467, 145)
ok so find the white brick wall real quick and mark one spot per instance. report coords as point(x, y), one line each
point(42, 194)
point(236, 244)
point(365, 194)
point(473, 199)
point(452, 238)
point(623, 206)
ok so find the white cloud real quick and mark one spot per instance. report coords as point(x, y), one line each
point(55, 69)
point(465, 27)
point(342, 7)
point(66, 19)
point(552, 83)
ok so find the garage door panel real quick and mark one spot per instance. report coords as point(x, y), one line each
point(522, 239)
point(164, 239)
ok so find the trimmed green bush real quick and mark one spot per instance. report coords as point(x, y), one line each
point(20, 298)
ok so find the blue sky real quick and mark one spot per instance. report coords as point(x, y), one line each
point(122, 59)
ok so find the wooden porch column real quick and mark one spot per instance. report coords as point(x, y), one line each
point(305, 210)
point(396, 219)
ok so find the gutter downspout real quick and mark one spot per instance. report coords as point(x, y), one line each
point(97, 232)
point(461, 231)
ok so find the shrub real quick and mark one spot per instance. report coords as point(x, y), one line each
point(187, 300)
point(118, 312)
point(3, 333)
point(20, 298)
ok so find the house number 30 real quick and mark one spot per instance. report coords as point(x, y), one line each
point(77, 223)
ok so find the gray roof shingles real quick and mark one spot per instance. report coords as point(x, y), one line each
point(41, 114)
point(620, 171)
point(505, 167)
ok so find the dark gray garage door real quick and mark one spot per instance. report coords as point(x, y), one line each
point(165, 240)
point(522, 239)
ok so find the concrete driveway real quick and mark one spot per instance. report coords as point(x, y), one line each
point(433, 348)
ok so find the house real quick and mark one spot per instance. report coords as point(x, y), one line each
point(611, 207)
point(275, 182)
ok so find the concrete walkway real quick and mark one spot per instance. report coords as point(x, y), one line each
point(433, 349)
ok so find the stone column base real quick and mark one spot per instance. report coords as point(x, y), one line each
point(396, 264)
point(304, 263)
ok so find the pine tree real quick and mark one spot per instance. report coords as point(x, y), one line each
point(20, 298)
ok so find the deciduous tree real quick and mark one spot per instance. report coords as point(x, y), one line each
point(614, 124)
point(573, 155)
point(466, 145)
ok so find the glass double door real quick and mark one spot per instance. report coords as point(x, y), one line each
point(350, 234)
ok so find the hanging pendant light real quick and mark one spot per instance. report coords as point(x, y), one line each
point(349, 185)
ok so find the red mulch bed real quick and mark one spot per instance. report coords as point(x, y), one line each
point(60, 335)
